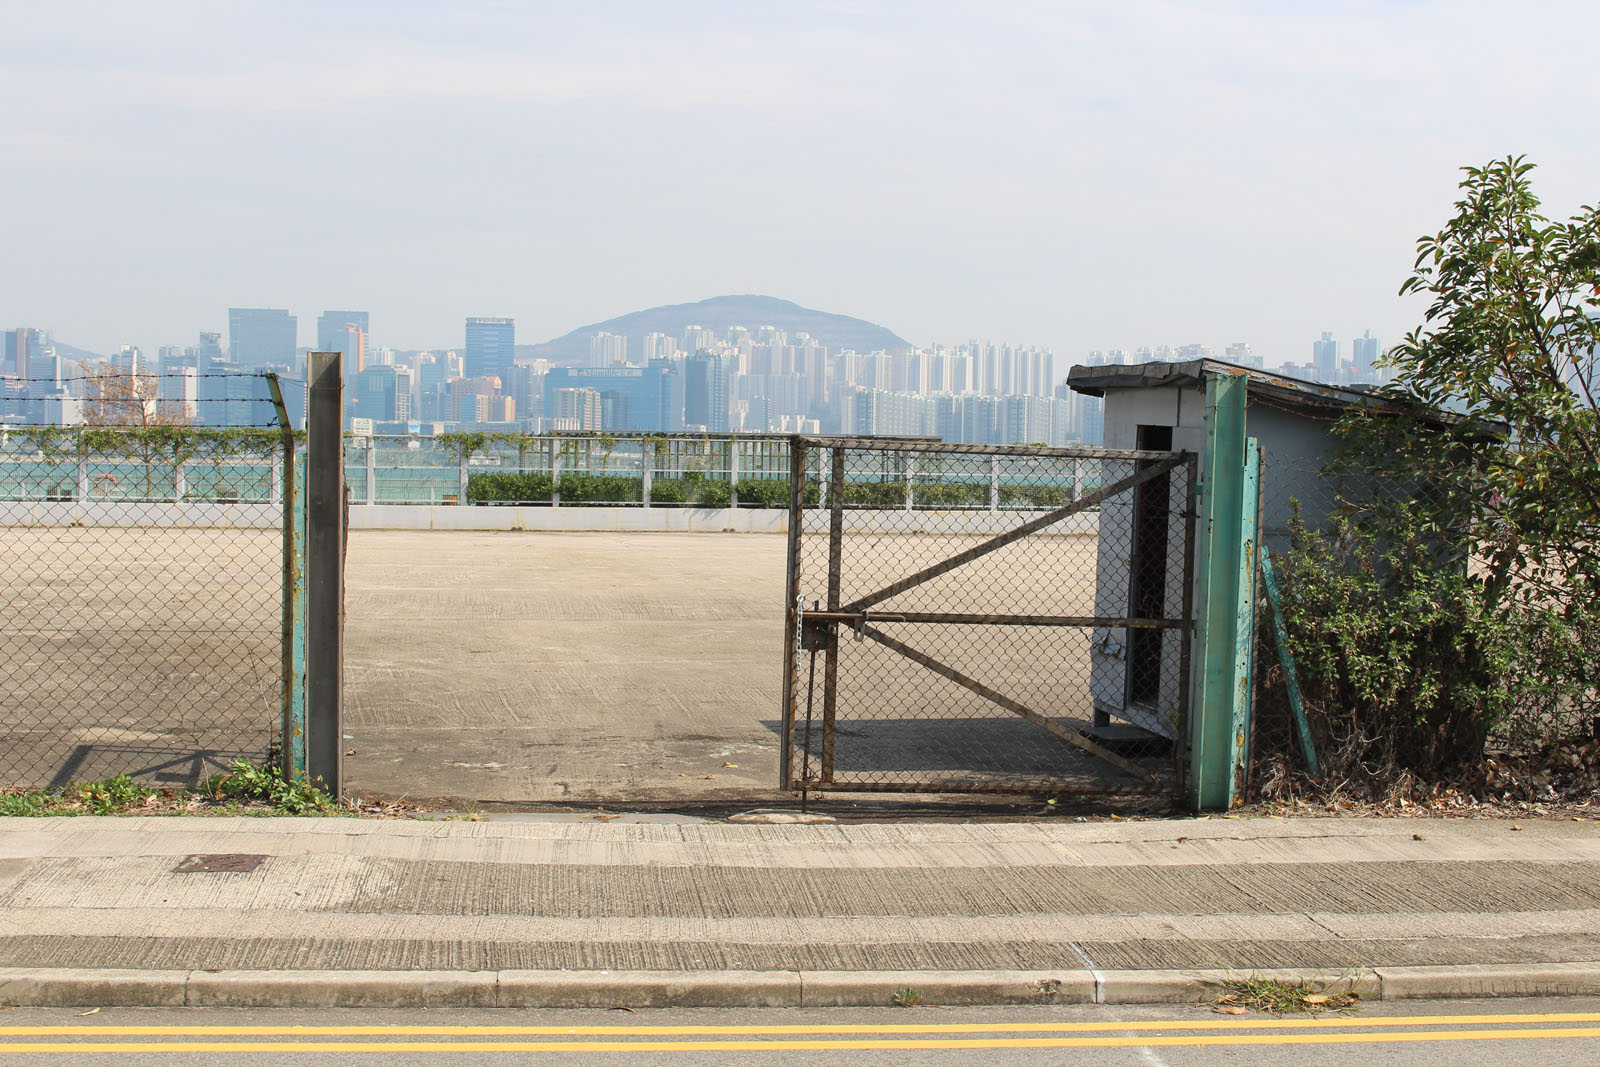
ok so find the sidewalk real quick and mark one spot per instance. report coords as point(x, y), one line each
point(591, 913)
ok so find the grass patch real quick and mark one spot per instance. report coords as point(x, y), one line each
point(244, 789)
point(1281, 996)
point(244, 781)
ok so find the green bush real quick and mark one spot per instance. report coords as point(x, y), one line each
point(1406, 665)
point(953, 495)
point(580, 488)
point(764, 492)
point(890, 494)
point(670, 491)
point(1040, 497)
point(508, 488)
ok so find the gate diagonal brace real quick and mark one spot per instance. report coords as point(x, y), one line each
point(1066, 733)
point(1032, 526)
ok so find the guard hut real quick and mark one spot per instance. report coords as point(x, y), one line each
point(1162, 407)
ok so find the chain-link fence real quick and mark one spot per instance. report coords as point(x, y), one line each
point(141, 574)
point(968, 618)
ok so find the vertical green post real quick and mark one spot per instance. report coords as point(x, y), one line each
point(1291, 677)
point(293, 667)
point(1244, 647)
point(294, 708)
point(1229, 502)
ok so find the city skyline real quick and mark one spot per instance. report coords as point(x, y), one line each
point(1082, 178)
point(331, 334)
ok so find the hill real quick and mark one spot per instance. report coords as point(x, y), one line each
point(719, 313)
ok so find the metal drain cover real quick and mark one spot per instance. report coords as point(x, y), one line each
point(222, 861)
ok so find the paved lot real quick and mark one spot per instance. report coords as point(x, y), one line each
point(542, 666)
point(507, 667)
point(140, 651)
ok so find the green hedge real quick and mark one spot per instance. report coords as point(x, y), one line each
point(698, 490)
point(508, 488)
point(579, 488)
point(1044, 497)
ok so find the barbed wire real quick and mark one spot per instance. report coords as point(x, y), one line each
point(115, 375)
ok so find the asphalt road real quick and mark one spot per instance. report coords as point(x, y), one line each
point(1550, 1032)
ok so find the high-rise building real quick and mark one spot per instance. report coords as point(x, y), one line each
point(1364, 353)
point(23, 350)
point(208, 354)
point(581, 405)
point(491, 348)
point(383, 394)
point(698, 338)
point(659, 346)
point(331, 327)
point(1241, 354)
point(608, 349)
point(631, 398)
point(352, 348)
point(261, 337)
point(1325, 357)
point(705, 392)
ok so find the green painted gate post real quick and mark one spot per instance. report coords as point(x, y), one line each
point(293, 669)
point(1225, 643)
point(294, 708)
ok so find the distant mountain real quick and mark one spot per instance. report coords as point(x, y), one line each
point(81, 355)
point(719, 313)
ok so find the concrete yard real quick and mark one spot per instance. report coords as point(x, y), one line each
point(153, 652)
point(507, 667)
point(544, 666)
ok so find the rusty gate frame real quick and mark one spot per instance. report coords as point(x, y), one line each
point(818, 629)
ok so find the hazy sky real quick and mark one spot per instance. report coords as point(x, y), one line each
point(1078, 175)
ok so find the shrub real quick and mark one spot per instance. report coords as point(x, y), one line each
point(1404, 664)
point(1040, 497)
point(953, 495)
point(764, 492)
point(508, 488)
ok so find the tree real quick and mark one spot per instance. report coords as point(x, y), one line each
point(1511, 340)
point(128, 415)
point(1456, 599)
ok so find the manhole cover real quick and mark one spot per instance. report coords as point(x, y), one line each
point(223, 861)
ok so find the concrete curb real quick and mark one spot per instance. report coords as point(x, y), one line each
point(42, 987)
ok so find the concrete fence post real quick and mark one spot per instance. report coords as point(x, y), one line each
point(461, 477)
point(325, 536)
point(733, 472)
point(994, 483)
point(372, 471)
point(180, 484)
point(647, 462)
point(555, 472)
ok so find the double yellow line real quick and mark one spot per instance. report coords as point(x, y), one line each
point(1324, 1030)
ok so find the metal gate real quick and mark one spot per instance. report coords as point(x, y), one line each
point(976, 618)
